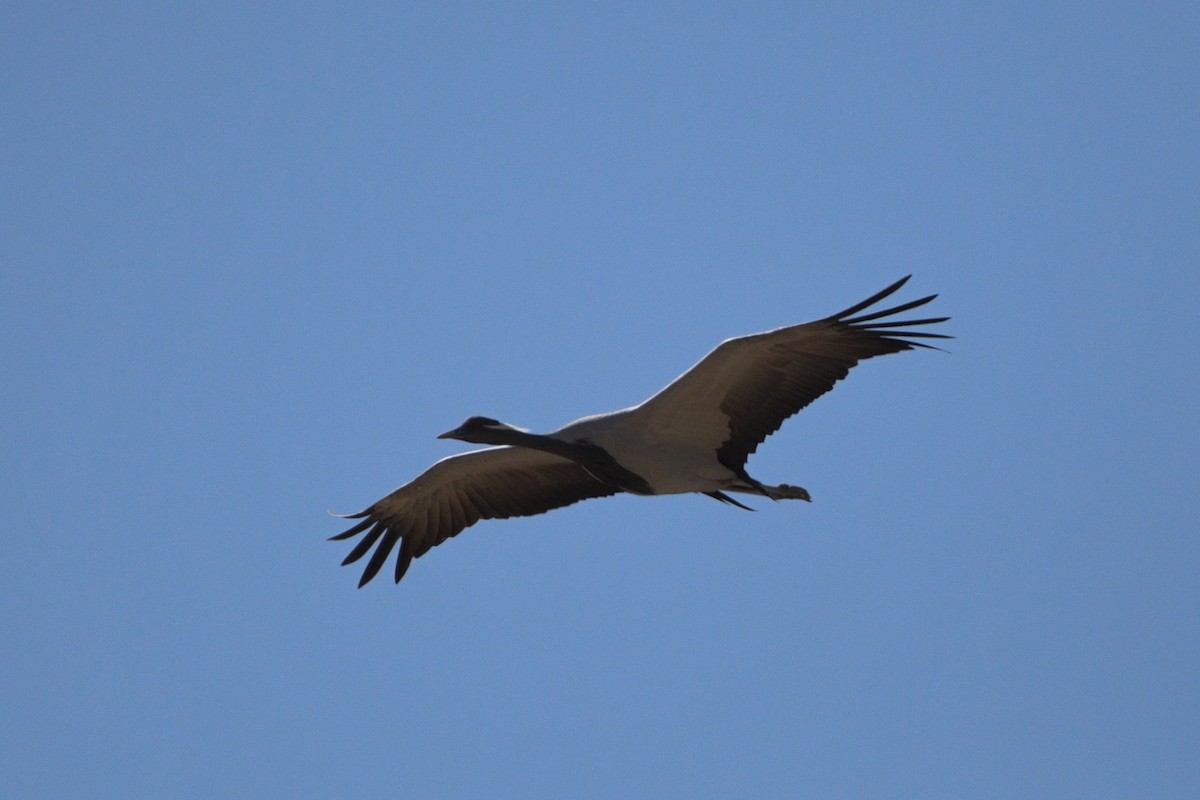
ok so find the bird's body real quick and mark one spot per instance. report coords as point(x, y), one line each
point(695, 435)
point(666, 467)
point(658, 451)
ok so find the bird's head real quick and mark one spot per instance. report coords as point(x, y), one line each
point(482, 430)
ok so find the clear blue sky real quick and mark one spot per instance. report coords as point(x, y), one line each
point(254, 260)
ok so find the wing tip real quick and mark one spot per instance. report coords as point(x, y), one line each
point(353, 531)
point(870, 301)
point(359, 515)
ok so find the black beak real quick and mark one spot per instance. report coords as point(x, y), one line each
point(449, 434)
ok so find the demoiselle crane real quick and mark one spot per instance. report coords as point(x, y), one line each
point(693, 436)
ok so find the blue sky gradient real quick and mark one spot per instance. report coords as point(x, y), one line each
point(254, 260)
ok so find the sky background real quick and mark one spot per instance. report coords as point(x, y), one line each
point(255, 259)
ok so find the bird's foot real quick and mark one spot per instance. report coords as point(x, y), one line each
point(785, 491)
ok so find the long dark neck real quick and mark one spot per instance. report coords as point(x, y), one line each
point(536, 441)
point(592, 457)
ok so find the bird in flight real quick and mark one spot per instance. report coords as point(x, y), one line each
point(695, 435)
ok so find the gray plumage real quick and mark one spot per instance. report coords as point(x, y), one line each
point(695, 435)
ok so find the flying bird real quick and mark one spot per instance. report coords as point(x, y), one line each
point(695, 435)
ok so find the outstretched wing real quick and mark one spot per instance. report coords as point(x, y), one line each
point(457, 492)
point(741, 392)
